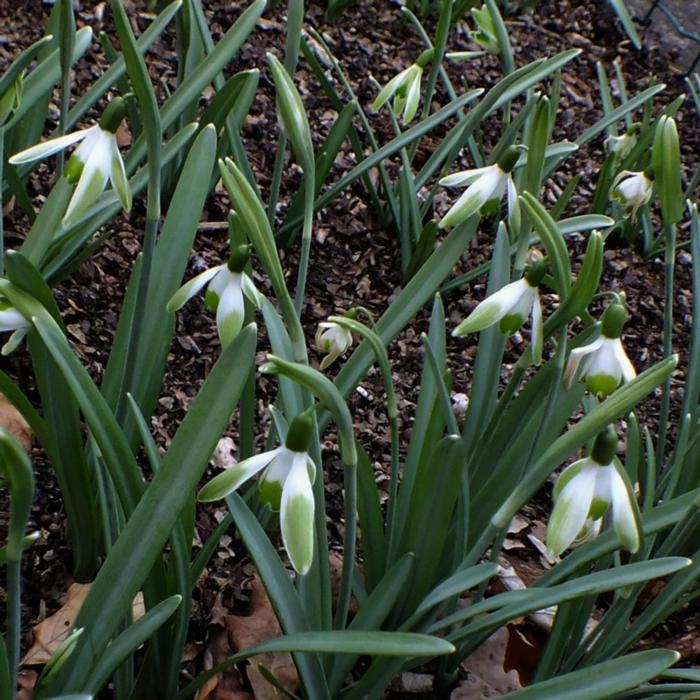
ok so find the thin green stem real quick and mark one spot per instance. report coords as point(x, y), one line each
point(137, 322)
point(305, 241)
point(276, 178)
point(14, 621)
point(2, 228)
point(669, 268)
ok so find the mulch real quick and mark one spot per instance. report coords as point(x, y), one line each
point(354, 259)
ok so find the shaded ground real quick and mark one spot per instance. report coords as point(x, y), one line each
point(354, 260)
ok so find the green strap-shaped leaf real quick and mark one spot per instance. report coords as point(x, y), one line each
point(557, 253)
point(401, 644)
point(16, 469)
point(601, 681)
point(130, 640)
point(139, 545)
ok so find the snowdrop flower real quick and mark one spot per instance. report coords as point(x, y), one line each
point(484, 185)
point(621, 146)
point(286, 486)
point(604, 363)
point(332, 339)
point(227, 285)
point(632, 190)
point(12, 320)
point(585, 492)
point(511, 305)
point(96, 160)
point(405, 89)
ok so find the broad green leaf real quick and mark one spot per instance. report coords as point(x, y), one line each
point(140, 544)
point(603, 680)
point(129, 641)
point(402, 644)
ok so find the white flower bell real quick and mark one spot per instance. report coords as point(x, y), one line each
point(511, 305)
point(585, 492)
point(621, 146)
point(12, 320)
point(332, 339)
point(632, 190)
point(484, 185)
point(286, 485)
point(96, 160)
point(404, 88)
point(604, 364)
point(227, 285)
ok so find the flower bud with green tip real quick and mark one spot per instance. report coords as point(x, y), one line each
point(511, 305)
point(404, 88)
point(94, 162)
point(585, 492)
point(603, 363)
point(227, 285)
point(286, 485)
point(666, 163)
point(485, 185)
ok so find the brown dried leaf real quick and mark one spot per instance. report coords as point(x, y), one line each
point(227, 684)
point(260, 625)
point(13, 421)
point(487, 676)
point(52, 632)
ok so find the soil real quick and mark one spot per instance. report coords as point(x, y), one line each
point(354, 258)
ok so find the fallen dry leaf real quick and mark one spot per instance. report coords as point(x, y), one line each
point(52, 632)
point(487, 675)
point(227, 684)
point(13, 421)
point(260, 625)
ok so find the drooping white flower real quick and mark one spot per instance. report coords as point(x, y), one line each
point(584, 493)
point(333, 339)
point(227, 285)
point(12, 320)
point(484, 185)
point(94, 162)
point(404, 88)
point(286, 486)
point(511, 305)
point(622, 145)
point(603, 363)
point(632, 190)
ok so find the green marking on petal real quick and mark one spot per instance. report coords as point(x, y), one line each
point(598, 509)
point(211, 300)
point(270, 493)
point(602, 384)
point(298, 533)
point(74, 169)
point(510, 323)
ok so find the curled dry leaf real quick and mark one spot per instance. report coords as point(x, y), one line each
point(13, 421)
point(52, 632)
point(260, 625)
point(487, 675)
